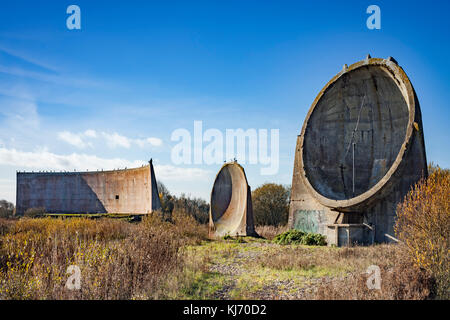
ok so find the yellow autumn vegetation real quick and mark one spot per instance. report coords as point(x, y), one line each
point(117, 259)
point(423, 225)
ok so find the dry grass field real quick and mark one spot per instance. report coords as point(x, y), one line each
point(175, 260)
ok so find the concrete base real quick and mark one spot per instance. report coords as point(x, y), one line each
point(350, 234)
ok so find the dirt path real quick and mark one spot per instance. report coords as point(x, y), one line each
point(245, 280)
point(260, 269)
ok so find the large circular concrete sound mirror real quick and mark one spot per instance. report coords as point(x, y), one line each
point(355, 130)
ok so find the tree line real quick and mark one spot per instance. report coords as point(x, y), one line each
point(270, 204)
point(7, 209)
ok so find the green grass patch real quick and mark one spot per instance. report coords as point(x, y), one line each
point(300, 237)
point(203, 285)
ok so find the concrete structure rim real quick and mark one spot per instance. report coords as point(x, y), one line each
point(404, 85)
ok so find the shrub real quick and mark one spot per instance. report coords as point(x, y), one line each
point(195, 207)
point(401, 281)
point(188, 227)
point(271, 204)
point(269, 232)
point(34, 212)
point(314, 239)
point(300, 237)
point(5, 225)
point(289, 237)
point(6, 209)
point(117, 259)
point(423, 224)
point(227, 237)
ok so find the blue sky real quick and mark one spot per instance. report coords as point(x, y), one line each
point(111, 94)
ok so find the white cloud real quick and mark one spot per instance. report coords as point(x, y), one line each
point(151, 141)
point(59, 79)
point(19, 115)
point(90, 133)
point(28, 58)
point(19, 121)
point(73, 139)
point(169, 172)
point(116, 140)
point(45, 160)
point(154, 141)
point(8, 190)
point(113, 140)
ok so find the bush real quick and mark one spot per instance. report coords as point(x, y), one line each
point(300, 237)
point(270, 232)
point(5, 225)
point(227, 237)
point(195, 207)
point(403, 281)
point(423, 224)
point(34, 212)
point(271, 204)
point(6, 209)
point(289, 237)
point(314, 239)
point(117, 259)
